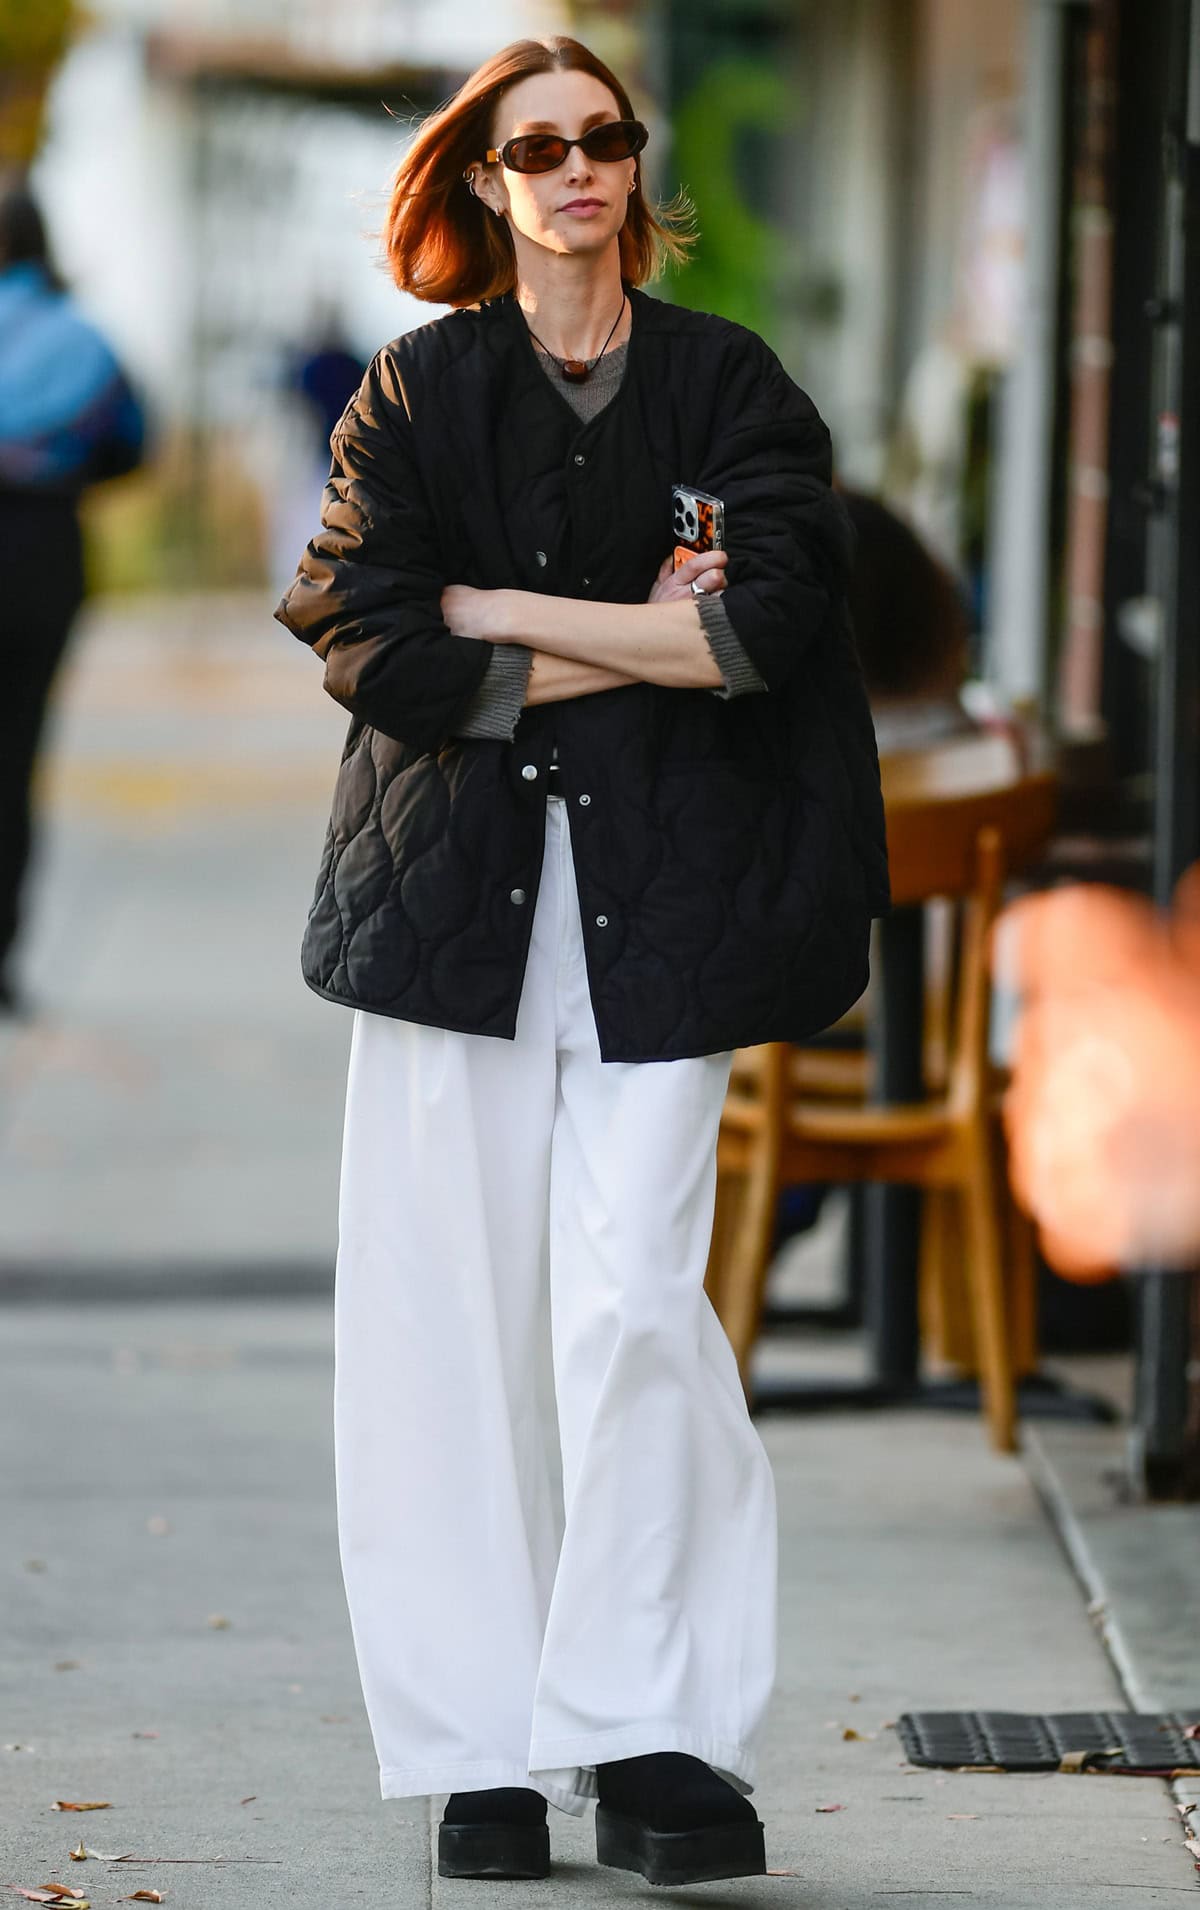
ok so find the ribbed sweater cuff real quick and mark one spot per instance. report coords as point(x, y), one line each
point(500, 698)
point(735, 666)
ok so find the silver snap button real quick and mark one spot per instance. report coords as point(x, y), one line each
point(602, 921)
point(579, 458)
point(529, 772)
point(586, 582)
point(540, 555)
point(516, 895)
point(585, 800)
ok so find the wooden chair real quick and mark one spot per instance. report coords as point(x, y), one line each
point(955, 829)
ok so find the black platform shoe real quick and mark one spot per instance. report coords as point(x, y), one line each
point(499, 1833)
point(669, 1816)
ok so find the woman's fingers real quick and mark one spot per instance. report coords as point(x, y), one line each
point(701, 562)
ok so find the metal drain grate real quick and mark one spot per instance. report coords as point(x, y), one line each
point(1137, 1743)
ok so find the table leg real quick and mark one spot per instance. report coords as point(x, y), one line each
point(893, 1214)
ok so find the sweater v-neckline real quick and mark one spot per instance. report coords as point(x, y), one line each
point(512, 311)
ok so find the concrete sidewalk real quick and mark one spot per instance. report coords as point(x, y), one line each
point(169, 1465)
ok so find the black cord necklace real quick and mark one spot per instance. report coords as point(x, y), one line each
point(575, 370)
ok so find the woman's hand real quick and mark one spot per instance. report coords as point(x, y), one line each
point(468, 612)
point(707, 568)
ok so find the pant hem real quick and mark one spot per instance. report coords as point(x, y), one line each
point(570, 1763)
point(563, 1770)
point(438, 1780)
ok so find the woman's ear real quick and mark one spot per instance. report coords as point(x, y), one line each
point(478, 180)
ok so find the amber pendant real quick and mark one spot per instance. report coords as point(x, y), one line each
point(575, 369)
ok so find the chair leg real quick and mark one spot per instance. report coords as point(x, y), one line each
point(747, 1262)
point(1023, 1287)
point(730, 1188)
point(985, 1275)
point(931, 1281)
point(1021, 1259)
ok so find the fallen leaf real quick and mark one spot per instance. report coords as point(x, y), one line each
point(334, 1717)
point(962, 1817)
point(56, 1894)
point(62, 1805)
point(782, 1873)
point(79, 1854)
point(856, 1697)
point(105, 1856)
point(830, 1807)
point(35, 1565)
point(145, 1734)
point(251, 1798)
point(1076, 1761)
point(65, 1891)
point(1193, 1844)
point(217, 1622)
point(142, 1896)
point(158, 1525)
point(18, 1747)
point(295, 1687)
point(67, 1664)
point(860, 1737)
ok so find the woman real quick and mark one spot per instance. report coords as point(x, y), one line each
point(68, 418)
point(587, 837)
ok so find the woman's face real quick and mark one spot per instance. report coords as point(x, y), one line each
point(539, 205)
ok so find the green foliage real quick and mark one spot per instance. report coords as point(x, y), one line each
point(33, 38)
point(738, 264)
point(34, 32)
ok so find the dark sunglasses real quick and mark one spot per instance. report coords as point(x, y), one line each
point(542, 152)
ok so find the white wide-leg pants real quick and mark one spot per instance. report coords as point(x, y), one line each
point(497, 1198)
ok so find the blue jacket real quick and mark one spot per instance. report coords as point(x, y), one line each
point(68, 415)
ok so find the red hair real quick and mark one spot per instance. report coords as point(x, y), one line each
point(443, 245)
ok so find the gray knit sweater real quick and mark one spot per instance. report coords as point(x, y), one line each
point(500, 698)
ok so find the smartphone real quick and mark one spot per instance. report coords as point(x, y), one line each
point(698, 521)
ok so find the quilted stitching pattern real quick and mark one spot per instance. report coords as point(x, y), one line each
point(734, 848)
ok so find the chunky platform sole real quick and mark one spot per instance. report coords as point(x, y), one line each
point(679, 1856)
point(493, 1850)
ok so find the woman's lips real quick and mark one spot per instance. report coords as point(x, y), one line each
point(585, 209)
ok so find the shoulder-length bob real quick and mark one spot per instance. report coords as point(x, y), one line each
point(438, 240)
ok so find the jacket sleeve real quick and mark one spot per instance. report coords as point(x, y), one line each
point(737, 672)
point(789, 536)
point(366, 594)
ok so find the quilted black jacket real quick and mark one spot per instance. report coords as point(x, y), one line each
point(729, 854)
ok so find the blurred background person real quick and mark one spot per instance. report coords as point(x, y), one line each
point(1103, 1114)
point(321, 375)
point(911, 622)
point(68, 418)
